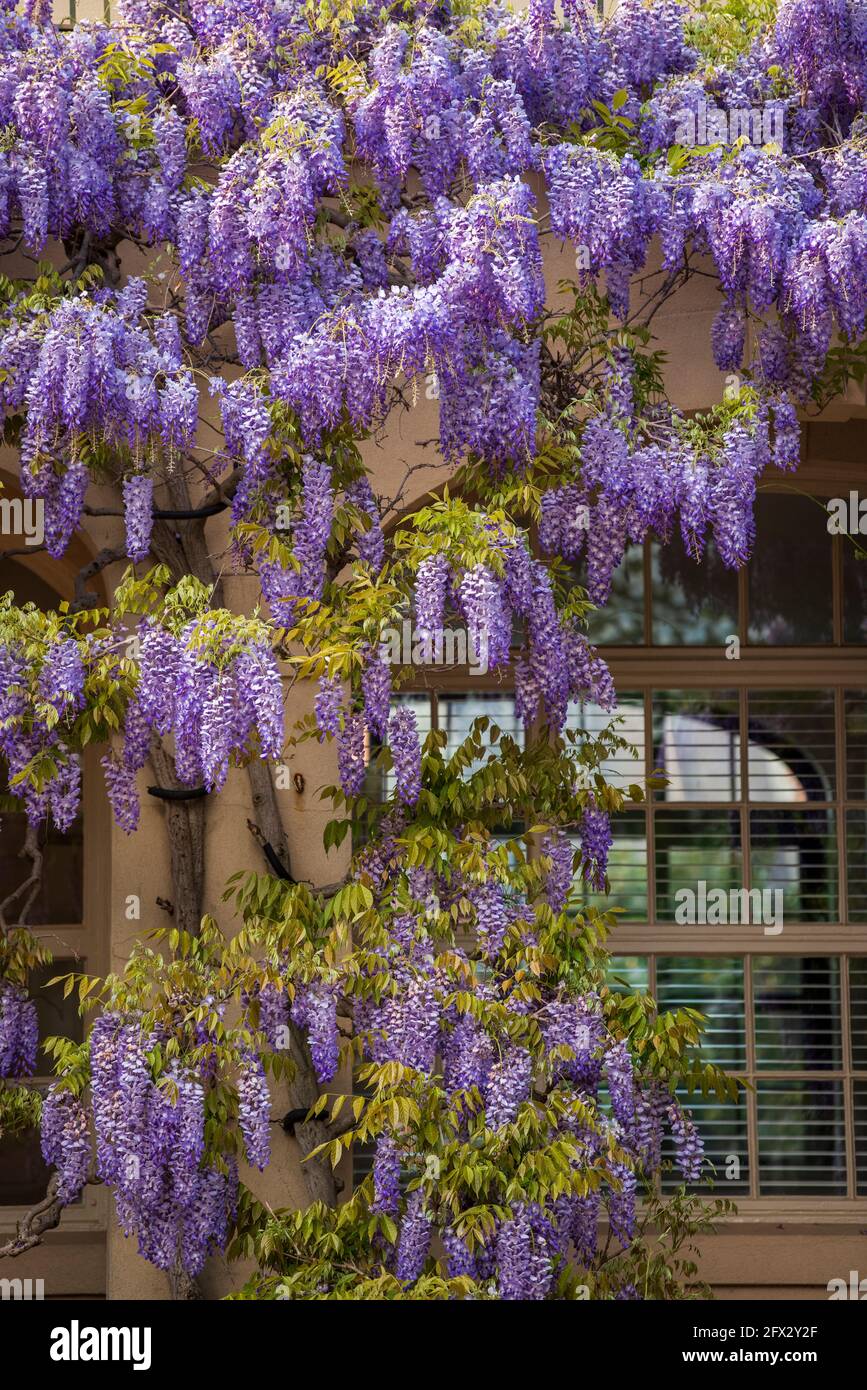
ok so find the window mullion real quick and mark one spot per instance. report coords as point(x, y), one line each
point(650, 810)
point(752, 1076)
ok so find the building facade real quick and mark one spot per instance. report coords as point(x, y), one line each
point(750, 689)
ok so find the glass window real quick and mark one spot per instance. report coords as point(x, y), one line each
point(792, 745)
point(796, 852)
point(715, 986)
point(456, 713)
point(628, 974)
point(856, 860)
point(627, 869)
point(790, 573)
point(60, 898)
point(858, 1011)
point(59, 901)
point(796, 1005)
point(693, 604)
point(695, 847)
point(627, 765)
point(620, 622)
point(802, 1146)
point(860, 1104)
point(696, 743)
point(854, 590)
point(855, 704)
point(723, 1128)
point(23, 1171)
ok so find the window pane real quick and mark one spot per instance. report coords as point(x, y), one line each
point(456, 714)
point(715, 986)
point(858, 1010)
point(621, 622)
point(802, 1149)
point(627, 974)
point(23, 1173)
point(856, 859)
point(855, 703)
point(696, 741)
point(796, 852)
point(59, 900)
point(790, 585)
point(627, 868)
point(854, 592)
point(628, 764)
point(693, 604)
point(58, 1017)
point(723, 1128)
point(694, 847)
point(797, 1013)
point(792, 745)
point(860, 1097)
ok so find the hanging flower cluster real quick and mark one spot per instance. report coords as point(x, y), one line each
point(150, 1147)
point(94, 371)
point(212, 688)
point(338, 310)
point(41, 697)
point(493, 1051)
point(19, 1031)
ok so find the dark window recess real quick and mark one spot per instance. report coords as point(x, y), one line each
point(60, 898)
point(694, 605)
point(23, 1172)
point(790, 574)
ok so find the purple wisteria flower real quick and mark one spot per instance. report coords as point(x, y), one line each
point(138, 498)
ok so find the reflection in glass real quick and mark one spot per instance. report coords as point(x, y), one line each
point(694, 604)
point(792, 745)
point(627, 765)
point(696, 742)
point(854, 590)
point(795, 852)
point(797, 1013)
point(694, 847)
point(802, 1144)
point(621, 622)
point(627, 868)
point(790, 573)
point(715, 986)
